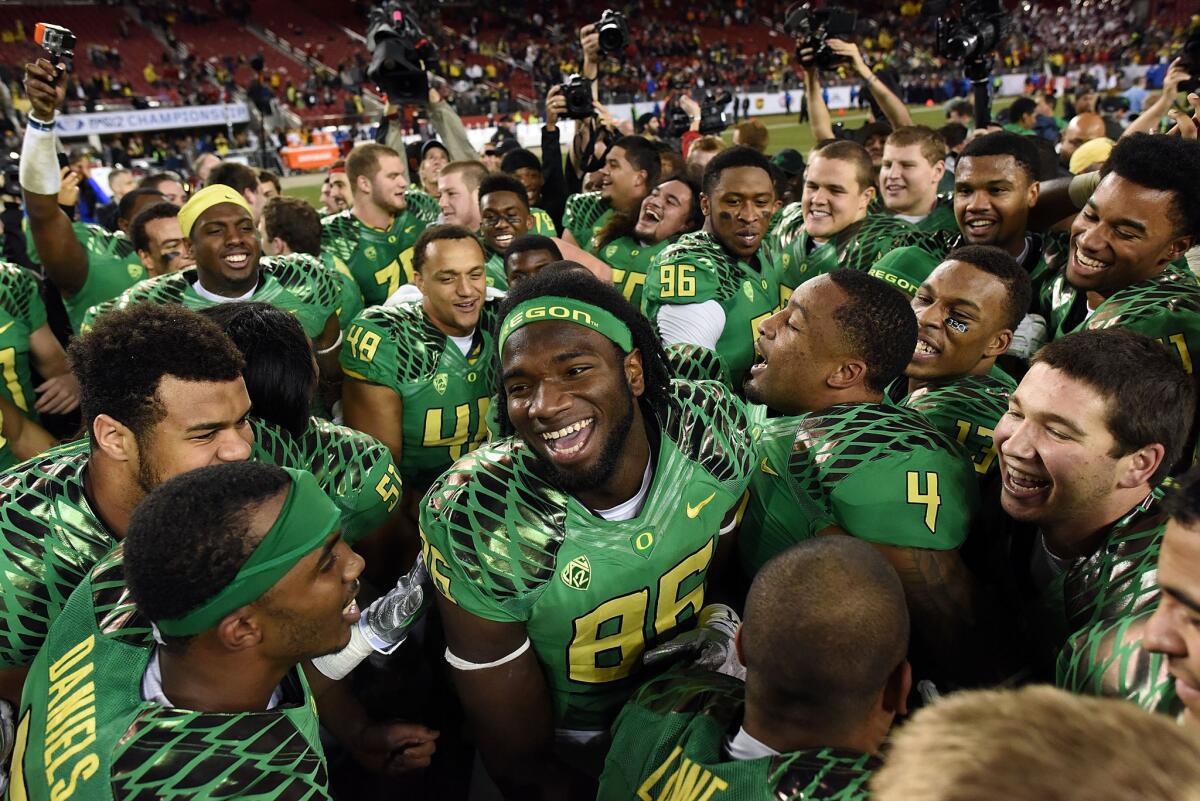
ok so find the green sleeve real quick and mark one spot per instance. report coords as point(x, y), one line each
point(580, 214)
point(350, 301)
point(921, 500)
point(25, 299)
point(696, 363)
point(447, 572)
point(423, 206)
point(1107, 659)
point(356, 471)
point(369, 352)
point(678, 276)
point(905, 268)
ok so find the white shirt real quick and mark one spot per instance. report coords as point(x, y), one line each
point(204, 293)
point(694, 324)
point(463, 343)
point(630, 508)
point(152, 689)
point(743, 746)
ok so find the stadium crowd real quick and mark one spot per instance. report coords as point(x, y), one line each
point(660, 468)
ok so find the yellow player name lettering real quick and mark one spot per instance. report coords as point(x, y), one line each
point(688, 782)
point(70, 721)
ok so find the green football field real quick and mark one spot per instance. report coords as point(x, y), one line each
point(784, 131)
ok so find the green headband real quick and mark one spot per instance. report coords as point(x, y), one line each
point(553, 308)
point(306, 520)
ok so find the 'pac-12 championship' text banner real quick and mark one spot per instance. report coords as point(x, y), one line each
point(151, 119)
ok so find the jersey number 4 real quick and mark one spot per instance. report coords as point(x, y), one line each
point(608, 641)
point(928, 498)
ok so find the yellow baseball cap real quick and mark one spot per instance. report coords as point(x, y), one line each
point(1090, 152)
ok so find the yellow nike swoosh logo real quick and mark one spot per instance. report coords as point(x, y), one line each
point(766, 468)
point(5, 328)
point(692, 511)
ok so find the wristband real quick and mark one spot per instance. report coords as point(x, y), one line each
point(334, 346)
point(462, 664)
point(34, 122)
point(39, 171)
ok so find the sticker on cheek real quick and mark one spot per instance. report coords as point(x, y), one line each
point(957, 325)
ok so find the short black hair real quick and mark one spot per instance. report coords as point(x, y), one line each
point(503, 182)
point(854, 641)
point(157, 211)
point(191, 535)
point(130, 199)
point(695, 217)
point(642, 155)
point(1003, 143)
point(238, 176)
point(1183, 502)
point(523, 244)
point(960, 107)
point(730, 158)
point(268, 177)
point(1020, 107)
point(1150, 398)
point(121, 361)
point(953, 134)
point(436, 233)
point(1166, 163)
point(570, 279)
point(279, 373)
point(520, 158)
point(999, 263)
point(877, 325)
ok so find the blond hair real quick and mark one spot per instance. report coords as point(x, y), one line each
point(1038, 744)
point(933, 146)
point(364, 161)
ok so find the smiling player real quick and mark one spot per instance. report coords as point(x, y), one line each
point(563, 551)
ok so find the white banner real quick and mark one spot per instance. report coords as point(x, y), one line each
point(151, 119)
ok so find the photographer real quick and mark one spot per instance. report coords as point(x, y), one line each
point(822, 127)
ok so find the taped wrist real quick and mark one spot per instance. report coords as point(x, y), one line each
point(39, 170)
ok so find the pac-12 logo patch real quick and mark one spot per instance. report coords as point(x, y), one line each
point(578, 573)
point(439, 383)
point(370, 252)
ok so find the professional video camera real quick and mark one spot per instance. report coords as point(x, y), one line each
point(713, 120)
point(613, 30)
point(577, 91)
point(971, 37)
point(813, 28)
point(59, 44)
point(400, 54)
point(974, 35)
point(1189, 59)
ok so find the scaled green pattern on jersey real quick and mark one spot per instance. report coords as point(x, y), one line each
point(350, 303)
point(668, 743)
point(49, 538)
point(1086, 612)
point(379, 260)
point(940, 219)
point(506, 545)
point(695, 269)
point(297, 283)
point(584, 216)
point(89, 675)
point(21, 313)
point(7, 457)
point(857, 247)
point(967, 409)
point(445, 394)
point(113, 267)
point(631, 260)
point(355, 470)
point(1166, 308)
point(880, 473)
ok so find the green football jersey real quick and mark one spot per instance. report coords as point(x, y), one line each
point(696, 269)
point(355, 470)
point(445, 394)
point(350, 302)
point(1166, 308)
point(85, 733)
point(940, 219)
point(423, 204)
point(494, 269)
point(380, 261)
point(21, 313)
point(113, 267)
point(298, 283)
point(630, 261)
point(506, 545)
point(50, 535)
point(542, 224)
point(965, 408)
point(1094, 611)
point(668, 742)
point(857, 247)
point(7, 457)
point(880, 473)
point(584, 216)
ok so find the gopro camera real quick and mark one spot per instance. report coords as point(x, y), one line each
point(59, 44)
